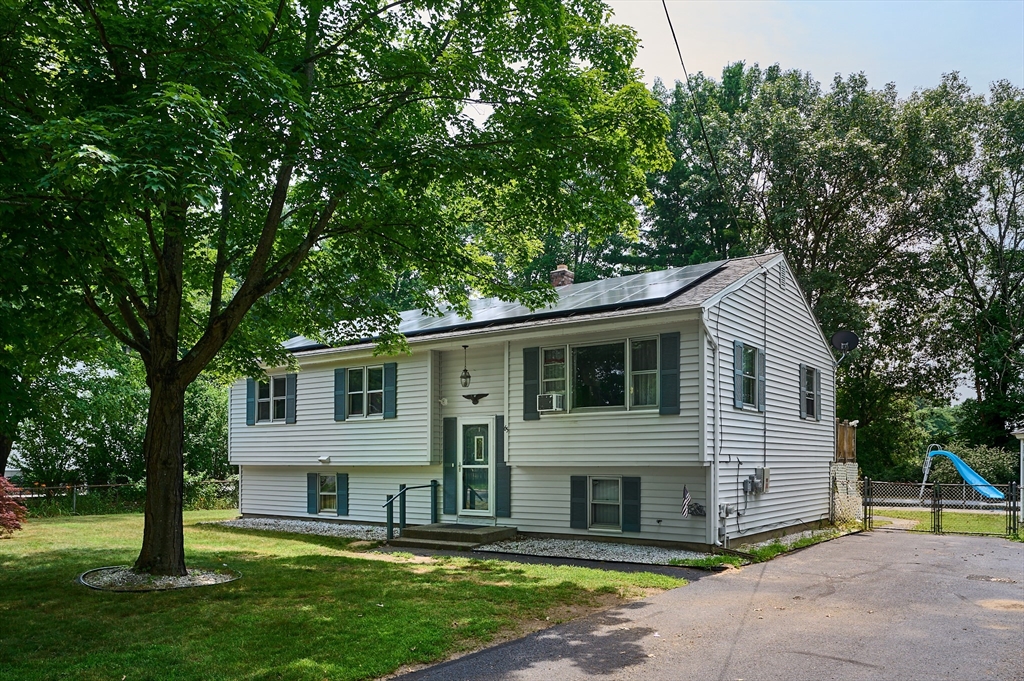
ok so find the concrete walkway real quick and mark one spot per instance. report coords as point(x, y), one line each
point(880, 605)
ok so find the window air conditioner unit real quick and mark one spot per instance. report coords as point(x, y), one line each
point(550, 402)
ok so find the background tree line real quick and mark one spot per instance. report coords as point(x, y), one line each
point(901, 218)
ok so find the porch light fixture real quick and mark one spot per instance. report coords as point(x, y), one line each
point(465, 378)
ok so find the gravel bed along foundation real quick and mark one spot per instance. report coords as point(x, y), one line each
point(364, 532)
point(123, 578)
point(591, 550)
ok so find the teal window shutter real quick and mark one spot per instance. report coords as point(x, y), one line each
point(340, 384)
point(531, 383)
point(668, 404)
point(502, 472)
point(390, 390)
point(449, 453)
point(289, 398)
point(737, 370)
point(342, 493)
point(761, 393)
point(578, 502)
point(817, 395)
point(312, 492)
point(250, 402)
point(630, 504)
point(803, 391)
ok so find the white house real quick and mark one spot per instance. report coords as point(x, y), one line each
point(586, 418)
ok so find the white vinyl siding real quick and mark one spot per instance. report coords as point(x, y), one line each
point(540, 501)
point(609, 437)
point(281, 491)
point(798, 451)
point(403, 440)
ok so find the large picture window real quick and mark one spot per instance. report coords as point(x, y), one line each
point(599, 376)
point(271, 399)
point(619, 375)
point(605, 503)
point(365, 391)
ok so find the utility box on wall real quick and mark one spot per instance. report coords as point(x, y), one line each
point(762, 479)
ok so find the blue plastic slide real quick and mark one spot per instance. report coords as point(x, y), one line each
point(969, 475)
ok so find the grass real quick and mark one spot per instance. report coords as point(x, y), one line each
point(305, 608)
point(952, 521)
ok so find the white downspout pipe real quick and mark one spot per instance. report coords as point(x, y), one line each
point(712, 509)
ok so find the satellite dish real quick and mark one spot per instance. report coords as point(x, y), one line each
point(844, 341)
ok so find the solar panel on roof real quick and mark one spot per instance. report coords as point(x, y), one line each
point(650, 288)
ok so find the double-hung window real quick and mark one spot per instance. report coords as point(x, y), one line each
point(554, 374)
point(749, 367)
point(605, 503)
point(271, 399)
point(366, 391)
point(810, 393)
point(643, 373)
point(328, 493)
point(749, 384)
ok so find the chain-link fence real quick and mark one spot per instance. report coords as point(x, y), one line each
point(939, 508)
point(43, 501)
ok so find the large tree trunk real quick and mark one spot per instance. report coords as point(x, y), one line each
point(6, 444)
point(163, 548)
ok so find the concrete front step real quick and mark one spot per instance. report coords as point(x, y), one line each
point(450, 532)
point(412, 543)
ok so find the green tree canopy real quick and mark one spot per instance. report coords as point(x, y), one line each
point(217, 175)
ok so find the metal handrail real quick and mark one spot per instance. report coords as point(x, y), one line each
point(390, 505)
point(402, 489)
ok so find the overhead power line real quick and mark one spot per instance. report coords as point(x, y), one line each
point(700, 121)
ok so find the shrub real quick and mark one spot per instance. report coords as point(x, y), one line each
point(997, 465)
point(11, 510)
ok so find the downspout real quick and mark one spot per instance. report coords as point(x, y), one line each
point(712, 509)
point(764, 344)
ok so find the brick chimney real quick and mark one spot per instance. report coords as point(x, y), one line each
point(561, 276)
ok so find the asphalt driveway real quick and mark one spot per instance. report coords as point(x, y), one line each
point(880, 605)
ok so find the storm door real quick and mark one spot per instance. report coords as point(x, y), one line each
point(476, 469)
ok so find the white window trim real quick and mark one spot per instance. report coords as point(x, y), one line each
point(757, 360)
point(270, 400)
point(628, 378)
point(805, 393)
point(319, 495)
point(365, 392)
point(590, 504)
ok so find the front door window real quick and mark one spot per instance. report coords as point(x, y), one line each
point(476, 468)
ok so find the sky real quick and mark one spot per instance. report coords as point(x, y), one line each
point(907, 42)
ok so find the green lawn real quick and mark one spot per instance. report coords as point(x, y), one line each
point(305, 607)
point(952, 521)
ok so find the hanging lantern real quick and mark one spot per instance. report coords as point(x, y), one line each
point(465, 378)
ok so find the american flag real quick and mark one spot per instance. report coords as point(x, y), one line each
point(685, 512)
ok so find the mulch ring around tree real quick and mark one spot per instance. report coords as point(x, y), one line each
point(123, 578)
